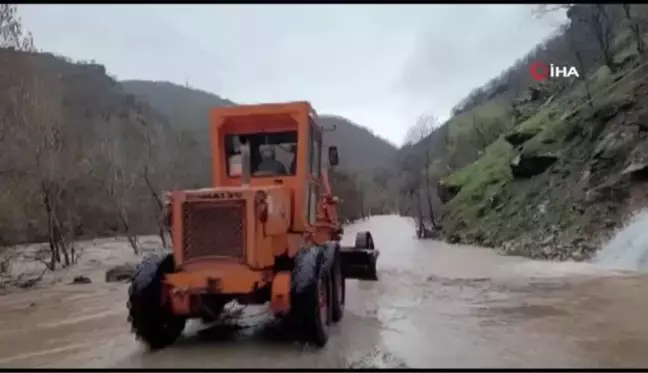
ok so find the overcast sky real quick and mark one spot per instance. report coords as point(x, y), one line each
point(378, 65)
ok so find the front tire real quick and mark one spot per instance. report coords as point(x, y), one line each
point(310, 296)
point(152, 321)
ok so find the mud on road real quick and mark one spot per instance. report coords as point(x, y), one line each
point(436, 305)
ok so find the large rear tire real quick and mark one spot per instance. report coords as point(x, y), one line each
point(339, 290)
point(310, 297)
point(152, 321)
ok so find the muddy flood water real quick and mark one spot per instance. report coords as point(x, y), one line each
point(436, 305)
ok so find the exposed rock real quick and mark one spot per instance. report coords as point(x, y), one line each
point(585, 177)
point(80, 280)
point(615, 143)
point(626, 103)
point(507, 247)
point(642, 121)
point(568, 115)
point(476, 238)
point(606, 112)
point(549, 239)
point(548, 251)
point(542, 208)
point(429, 233)
point(578, 240)
point(121, 273)
point(488, 242)
point(454, 238)
point(614, 190)
point(638, 171)
point(549, 141)
point(27, 283)
point(518, 138)
point(495, 201)
point(446, 192)
point(526, 166)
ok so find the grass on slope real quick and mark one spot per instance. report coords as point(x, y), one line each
point(480, 182)
point(470, 134)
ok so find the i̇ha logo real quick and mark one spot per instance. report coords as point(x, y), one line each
point(541, 71)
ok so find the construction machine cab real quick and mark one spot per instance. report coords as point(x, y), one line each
point(269, 145)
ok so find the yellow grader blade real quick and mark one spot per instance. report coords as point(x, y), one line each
point(359, 261)
point(359, 264)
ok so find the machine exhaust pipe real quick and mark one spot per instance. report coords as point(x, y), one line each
point(245, 164)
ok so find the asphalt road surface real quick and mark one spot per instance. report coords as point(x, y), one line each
point(436, 305)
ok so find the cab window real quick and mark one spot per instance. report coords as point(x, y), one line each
point(271, 153)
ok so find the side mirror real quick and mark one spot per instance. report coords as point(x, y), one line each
point(333, 156)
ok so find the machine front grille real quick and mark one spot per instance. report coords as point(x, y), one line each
point(214, 229)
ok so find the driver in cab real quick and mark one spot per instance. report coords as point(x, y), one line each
point(269, 165)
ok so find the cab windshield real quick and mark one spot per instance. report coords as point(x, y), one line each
point(271, 153)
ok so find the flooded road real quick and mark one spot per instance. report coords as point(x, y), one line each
point(436, 305)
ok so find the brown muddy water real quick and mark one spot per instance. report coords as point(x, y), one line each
point(436, 305)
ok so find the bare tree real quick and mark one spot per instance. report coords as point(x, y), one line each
point(122, 172)
point(598, 22)
point(41, 139)
point(421, 132)
point(72, 166)
point(542, 10)
point(346, 188)
point(12, 35)
point(591, 33)
point(588, 90)
point(483, 137)
point(156, 175)
point(635, 27)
